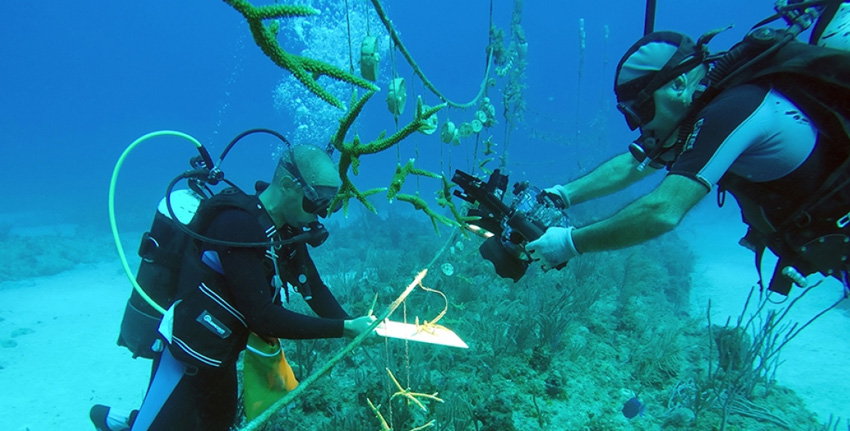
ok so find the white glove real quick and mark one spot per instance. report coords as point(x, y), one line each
point(561, 191)
point(554, 247)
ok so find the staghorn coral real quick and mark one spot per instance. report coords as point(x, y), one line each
point(351, 152)
point(306, 70)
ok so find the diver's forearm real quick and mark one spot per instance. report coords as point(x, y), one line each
point(610, 177)
point(634, 224)
point(648, 217)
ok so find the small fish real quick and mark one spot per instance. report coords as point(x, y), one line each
point(632, 408)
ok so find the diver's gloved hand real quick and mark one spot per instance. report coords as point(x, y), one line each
point(354, 327)
point(559, 192)
point(554, 248)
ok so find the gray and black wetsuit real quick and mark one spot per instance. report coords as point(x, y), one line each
point(751, 131)
point(754, 142)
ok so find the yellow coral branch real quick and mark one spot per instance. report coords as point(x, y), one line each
point(432, 324)
point(421, 205)
point(384, 425)
point(412, 396)
point(422, 427)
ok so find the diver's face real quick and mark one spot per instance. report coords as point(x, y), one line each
point(307, 203)
point(670, 107)
point(293, 212)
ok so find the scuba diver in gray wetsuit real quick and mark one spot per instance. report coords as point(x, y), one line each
point(768, 121)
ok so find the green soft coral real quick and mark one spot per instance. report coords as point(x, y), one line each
point(421, 205)
point(401, 174)
point(351, 152)
point(305, 70)
point(420, 121)
point(444, 199)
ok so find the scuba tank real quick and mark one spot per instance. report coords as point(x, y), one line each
point(161, 250)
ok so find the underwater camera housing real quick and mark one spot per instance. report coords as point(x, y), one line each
point(508, 228)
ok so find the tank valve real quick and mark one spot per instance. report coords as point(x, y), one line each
point(795, 276)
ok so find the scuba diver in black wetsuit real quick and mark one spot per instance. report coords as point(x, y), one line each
point(226, 291)
point(767, 121)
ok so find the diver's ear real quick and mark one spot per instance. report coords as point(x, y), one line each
point(680, 84)
point(287, 183)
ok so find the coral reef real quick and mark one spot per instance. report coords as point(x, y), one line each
point(556, 350)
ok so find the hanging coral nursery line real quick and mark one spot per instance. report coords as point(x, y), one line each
point(418, 71)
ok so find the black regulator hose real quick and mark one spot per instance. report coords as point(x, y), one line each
point(246, 133)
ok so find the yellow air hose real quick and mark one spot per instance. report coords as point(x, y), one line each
point(114, 225)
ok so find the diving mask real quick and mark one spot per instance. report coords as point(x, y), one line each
point(317, 199)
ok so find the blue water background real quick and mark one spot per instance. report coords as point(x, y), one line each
point(82, 80)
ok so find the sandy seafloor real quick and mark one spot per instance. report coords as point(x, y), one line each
point(58, 354)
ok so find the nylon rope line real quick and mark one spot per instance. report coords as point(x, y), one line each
point(415, 141)
point(491, 15)
point(350, 58)
point(392, 78)
point(442, 154)
point(388, 356)
point(350, 51)
point(348, 27)
point(366, 14)
point(406, 350)
point(471, 161)
point(418, 71)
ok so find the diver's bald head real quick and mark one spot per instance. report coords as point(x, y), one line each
point(311, 163)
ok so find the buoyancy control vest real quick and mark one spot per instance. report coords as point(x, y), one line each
point(811, 234)
point(172, 270)
point(205, 329)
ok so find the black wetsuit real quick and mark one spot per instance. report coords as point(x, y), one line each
point(184, 397)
